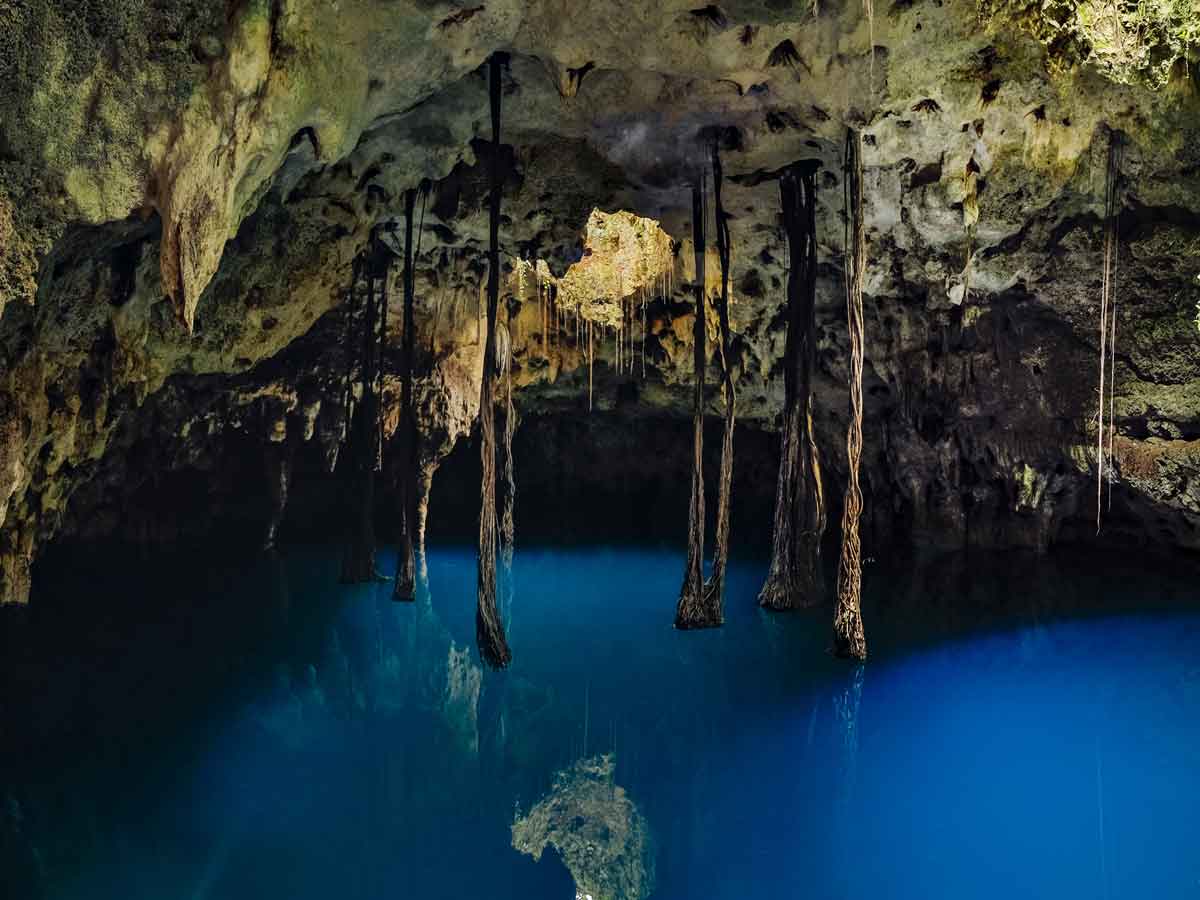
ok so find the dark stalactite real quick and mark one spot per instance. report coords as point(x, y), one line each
point(693, 609)
point(714, 588)
point(489, 629)
point(793, 580)
point(424, 488)
point(849, 639)
point(278, 464)
point(348, 343)
point(406, 570)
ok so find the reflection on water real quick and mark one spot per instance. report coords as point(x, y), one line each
point(248, 731)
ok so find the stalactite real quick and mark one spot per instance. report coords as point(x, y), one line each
point(634, 313)
point(279, 475)
point(437, 315)
point(793, 580)
point(591, 360)
point(617, 348)
point(489, 629)
point(424, 488)
point(624, 337)
point(694, 609)
point(848, 637)
point(626, 333)
point(406, 569)
point(714, 589)
point(1108, 327)
point(643, 334)
point(349, 343)
point(552, 293)
point(480, 282)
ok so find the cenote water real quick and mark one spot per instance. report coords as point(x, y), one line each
point(179, 728)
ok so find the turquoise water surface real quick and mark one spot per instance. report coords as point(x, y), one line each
point(179, 728)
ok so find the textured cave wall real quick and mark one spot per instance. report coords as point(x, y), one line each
point(222, 163)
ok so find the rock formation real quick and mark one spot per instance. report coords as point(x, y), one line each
point(603, 840)
point(183, 188)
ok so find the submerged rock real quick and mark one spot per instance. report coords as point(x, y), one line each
point(601, 836)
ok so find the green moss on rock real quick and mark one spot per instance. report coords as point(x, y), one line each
point(1130, 41)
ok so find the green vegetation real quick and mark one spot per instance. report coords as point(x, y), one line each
point(81, 83)
point(1130, 41)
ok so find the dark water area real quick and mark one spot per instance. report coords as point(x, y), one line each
point(196, 726)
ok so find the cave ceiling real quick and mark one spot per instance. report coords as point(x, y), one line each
point(183, 188)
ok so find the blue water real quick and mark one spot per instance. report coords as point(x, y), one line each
point(253, 730)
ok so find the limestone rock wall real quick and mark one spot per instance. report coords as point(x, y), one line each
point(183, 187)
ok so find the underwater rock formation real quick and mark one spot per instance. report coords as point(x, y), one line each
point(603, 840)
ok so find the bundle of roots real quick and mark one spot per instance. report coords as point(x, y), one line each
point(793, 578)
point(489, 629)
point(849, 639)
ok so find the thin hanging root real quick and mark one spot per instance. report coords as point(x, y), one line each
point(849, 639)
point(358, 560)
point(693, 610)
point(1108, 328)
point(714, 588)
point(489, 629)
point(507, 523)
point(632, 354)
point(406, 570)
point(632, 320)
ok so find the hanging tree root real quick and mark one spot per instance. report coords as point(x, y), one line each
point(849, 639)
point(714, 588)
point(507, 524)
point(358, 561)
point(489, 629)
point(405, 585)
point(694, 609)
point(1108, 326)
point(793, 580)
point(406, 569)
